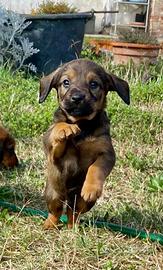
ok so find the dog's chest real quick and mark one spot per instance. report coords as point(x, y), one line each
point(86, 151)
point(84, 148)
point(79, 156)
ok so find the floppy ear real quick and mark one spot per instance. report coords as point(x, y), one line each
point(120, 86)
point(47, 83)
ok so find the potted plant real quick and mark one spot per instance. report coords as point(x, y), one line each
point(136, 45)
point(57, 30)
point(131, 44)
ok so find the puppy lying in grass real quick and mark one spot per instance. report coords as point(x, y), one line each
point(78, 145)
point(8, 157)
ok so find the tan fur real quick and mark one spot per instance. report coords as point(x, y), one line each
point(78, 146)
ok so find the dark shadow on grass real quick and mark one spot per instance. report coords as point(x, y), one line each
point(20, 194)
point(140, 219)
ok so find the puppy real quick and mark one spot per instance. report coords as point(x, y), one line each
point(78, 146)
point(8, 157)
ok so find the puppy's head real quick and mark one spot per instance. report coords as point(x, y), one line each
point(82, 86)
point(8, 157)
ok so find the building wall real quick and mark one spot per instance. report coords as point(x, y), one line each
point(156, 19)
point(25, 6)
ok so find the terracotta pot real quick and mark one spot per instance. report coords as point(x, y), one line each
point(138, 53)
point(123, 52)
point(101, 44)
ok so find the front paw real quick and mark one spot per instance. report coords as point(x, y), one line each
point(91, 191)
point(63, 131)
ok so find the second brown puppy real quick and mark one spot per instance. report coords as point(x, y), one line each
point(8, 156)
point(78, 146)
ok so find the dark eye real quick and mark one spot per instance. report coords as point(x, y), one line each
point(93, 85)
point(66, 83)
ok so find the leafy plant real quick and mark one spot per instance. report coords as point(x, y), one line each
point(156, 183)
point(14, 48)
point(88, 51)
point(136, 36)
point(50, 7)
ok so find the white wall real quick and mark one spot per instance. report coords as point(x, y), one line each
point(25, 6)
point(126, 15)
point(20, 6)
point(88, 5)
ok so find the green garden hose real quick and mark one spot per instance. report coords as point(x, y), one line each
point(99, 224)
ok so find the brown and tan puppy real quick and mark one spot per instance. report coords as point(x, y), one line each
point(8, 157)
point(78, 146)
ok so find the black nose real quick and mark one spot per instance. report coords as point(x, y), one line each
point(77, 97)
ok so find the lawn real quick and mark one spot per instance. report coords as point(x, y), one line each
point(133, 193)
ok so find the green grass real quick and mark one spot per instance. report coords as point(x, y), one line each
point(19, 105)
point(133, 193)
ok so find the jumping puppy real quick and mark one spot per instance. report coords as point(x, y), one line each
point(8, 157)
point(78, 146)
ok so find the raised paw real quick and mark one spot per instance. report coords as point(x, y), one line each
point(91, 191)
point(63, 131)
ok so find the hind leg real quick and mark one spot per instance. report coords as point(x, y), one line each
point(55, 197)
point(76, 207)
point(55, 211)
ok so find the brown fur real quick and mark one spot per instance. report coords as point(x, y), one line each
point(78, 146)
point(8, 157)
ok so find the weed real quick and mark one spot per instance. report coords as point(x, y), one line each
point(156, 183)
